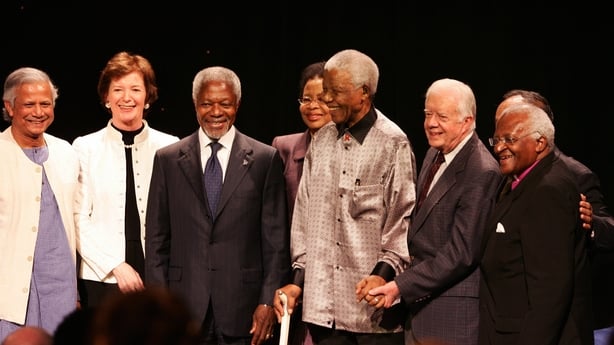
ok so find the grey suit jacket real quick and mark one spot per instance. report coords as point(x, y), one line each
point(234, 263)
point(441, 285)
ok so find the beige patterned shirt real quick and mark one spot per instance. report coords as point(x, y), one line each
point(352, 211)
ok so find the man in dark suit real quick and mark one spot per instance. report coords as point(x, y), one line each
point(536, 285)
point(441, 286)
point(596, 219)
point(226, 261)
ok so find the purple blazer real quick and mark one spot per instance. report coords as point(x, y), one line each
point(292, 149)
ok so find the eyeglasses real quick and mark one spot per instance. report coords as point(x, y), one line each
point(308, 100)
point(507, 140)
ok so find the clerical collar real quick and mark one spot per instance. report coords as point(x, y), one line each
point(360, 129)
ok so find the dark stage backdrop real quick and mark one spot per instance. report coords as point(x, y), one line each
point(562, 51)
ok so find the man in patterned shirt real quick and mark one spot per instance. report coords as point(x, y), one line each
point(349, 228)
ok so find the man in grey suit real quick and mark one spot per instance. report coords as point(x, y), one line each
point(440, 288)
point(228, 262)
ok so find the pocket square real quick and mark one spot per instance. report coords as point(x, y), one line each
point(500, 228)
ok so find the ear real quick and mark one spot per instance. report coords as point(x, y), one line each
point(9, 109)
point(542, 144)
point(365, 94)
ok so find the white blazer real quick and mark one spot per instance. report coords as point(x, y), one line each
point(101, 202)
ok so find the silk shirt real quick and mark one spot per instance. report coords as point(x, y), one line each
point(351, 213)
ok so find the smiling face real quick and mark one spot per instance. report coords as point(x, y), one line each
point(216, 108)
point(126, 99)
point(347, 103)
point(444, 126)
point(315, 114)
point(517, 145)
point(31, 114)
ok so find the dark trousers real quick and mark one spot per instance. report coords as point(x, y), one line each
point(212, 335)
point(92, 294)
point(330, 336)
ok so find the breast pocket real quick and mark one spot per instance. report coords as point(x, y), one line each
point(367, 203)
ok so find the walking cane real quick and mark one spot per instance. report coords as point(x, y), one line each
point(285, 320)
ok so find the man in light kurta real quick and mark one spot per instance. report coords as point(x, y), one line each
point(38, 180)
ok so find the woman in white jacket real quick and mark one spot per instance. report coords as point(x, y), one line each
point(116, 163)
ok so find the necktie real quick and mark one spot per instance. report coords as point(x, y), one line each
point(213, 178)
point(429, 178)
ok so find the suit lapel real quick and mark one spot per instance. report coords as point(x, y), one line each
point(191, 166)
point(429, 157)
point(501, 207)
point(505, 202)
point(241, 158)
point(300, 147)
point(446, 181)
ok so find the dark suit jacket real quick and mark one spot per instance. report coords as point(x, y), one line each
point(441, 285)
point(536, 280)
point(601, 247)
point(235, 263)
point(292, 148)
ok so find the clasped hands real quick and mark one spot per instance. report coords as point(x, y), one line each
point(372, 289)
point(376, 292)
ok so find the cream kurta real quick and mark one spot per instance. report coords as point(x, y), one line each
point(20, 196)
point(351, 212)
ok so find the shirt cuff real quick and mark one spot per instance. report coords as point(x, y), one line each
point(384, 270)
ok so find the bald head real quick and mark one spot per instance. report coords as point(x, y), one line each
point(519, 96)
point(507, 103)
point(29, 335)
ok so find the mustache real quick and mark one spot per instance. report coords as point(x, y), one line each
point(41, 117)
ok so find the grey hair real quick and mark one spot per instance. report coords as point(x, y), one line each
point(466, 103)
point(537, 120)
point(24, 75)
point(362, 68)
point(216, 73)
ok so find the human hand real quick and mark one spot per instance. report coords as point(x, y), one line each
point(365, 285)
point(586, 213)
point(127, 278)
point(263, 322)
point(292, 292)
point(389, 291)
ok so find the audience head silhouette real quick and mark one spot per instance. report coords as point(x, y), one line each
point(29, 335)
point(154, 316)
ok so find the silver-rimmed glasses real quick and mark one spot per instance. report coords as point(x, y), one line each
point(308, 100)
point(508, 139)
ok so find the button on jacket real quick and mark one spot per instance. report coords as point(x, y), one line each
point(100, 230)
point(20, 201)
